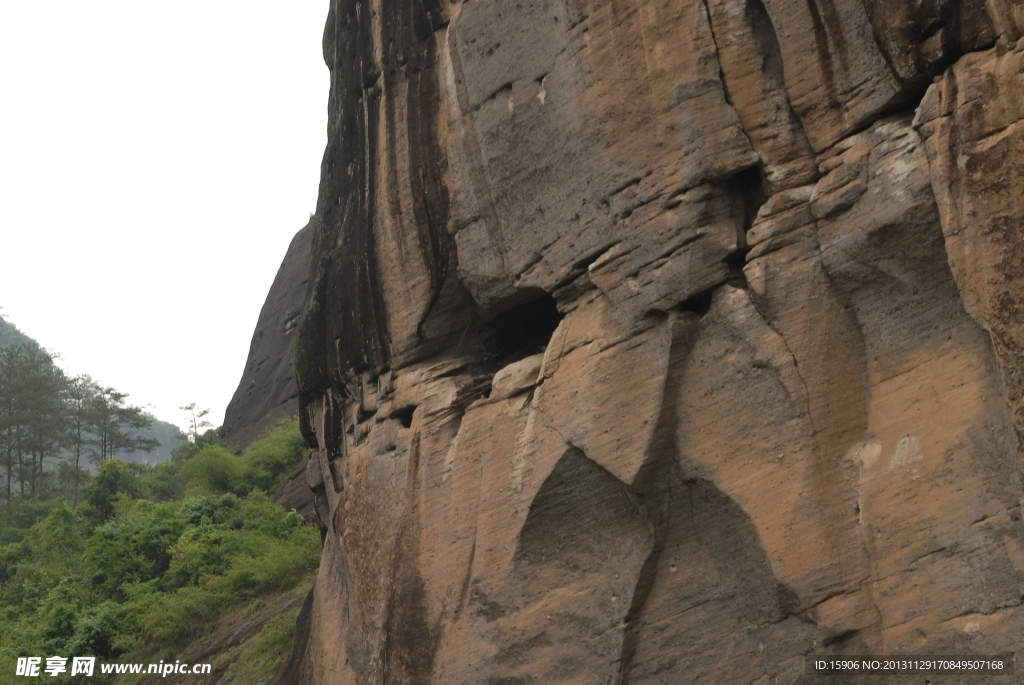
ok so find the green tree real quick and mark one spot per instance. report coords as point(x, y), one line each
point(110, 422)
point(45, 415)
point(133, 546)
point(196, 420)
point(9, 409)
point(78, 394)
point(274, 455)
point(214, 469)
point(13, 388)
point(114, 478)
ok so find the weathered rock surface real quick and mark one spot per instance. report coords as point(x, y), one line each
point(664, 342)
point(268, 391)
point(293, 491)
point(973, 120)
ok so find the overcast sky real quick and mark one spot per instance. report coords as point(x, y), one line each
point(155, 161)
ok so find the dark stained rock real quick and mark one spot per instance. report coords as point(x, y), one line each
point(298, 670)
point(293, 491)
point(267, 391)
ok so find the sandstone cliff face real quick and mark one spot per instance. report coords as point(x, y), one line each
point(267, 390)
point(664, 342)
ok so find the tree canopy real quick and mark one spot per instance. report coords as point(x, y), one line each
point(50, 423)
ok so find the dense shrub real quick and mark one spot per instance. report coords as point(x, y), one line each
point(25, 513)
point(133, 546)
point(114, 478)
point(213, 469)
point(272, 457)
point(163, 482)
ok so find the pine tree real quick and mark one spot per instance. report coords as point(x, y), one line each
point(108, 419)
point(45, 412)
point(196, 419)
point(8, 417)
point(78, 395)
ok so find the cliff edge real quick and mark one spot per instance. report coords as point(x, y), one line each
point(267, 390)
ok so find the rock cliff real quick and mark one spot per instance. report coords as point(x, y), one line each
point(267, 389)
point(664, 342)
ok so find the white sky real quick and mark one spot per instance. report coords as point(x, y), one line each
point(155, 161)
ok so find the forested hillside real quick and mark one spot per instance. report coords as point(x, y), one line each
point(54, 427)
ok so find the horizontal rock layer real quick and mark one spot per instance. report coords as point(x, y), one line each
point(664, 342)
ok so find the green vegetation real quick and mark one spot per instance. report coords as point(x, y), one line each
point(135, 562)
point(151, 557)
point(54, 428)
point(51, 426)
point(258, 659)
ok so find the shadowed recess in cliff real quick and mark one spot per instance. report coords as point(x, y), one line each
point(750, 189)
point(523, 330)
point(581, 518)
point(710, 564)
point(577, 560)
